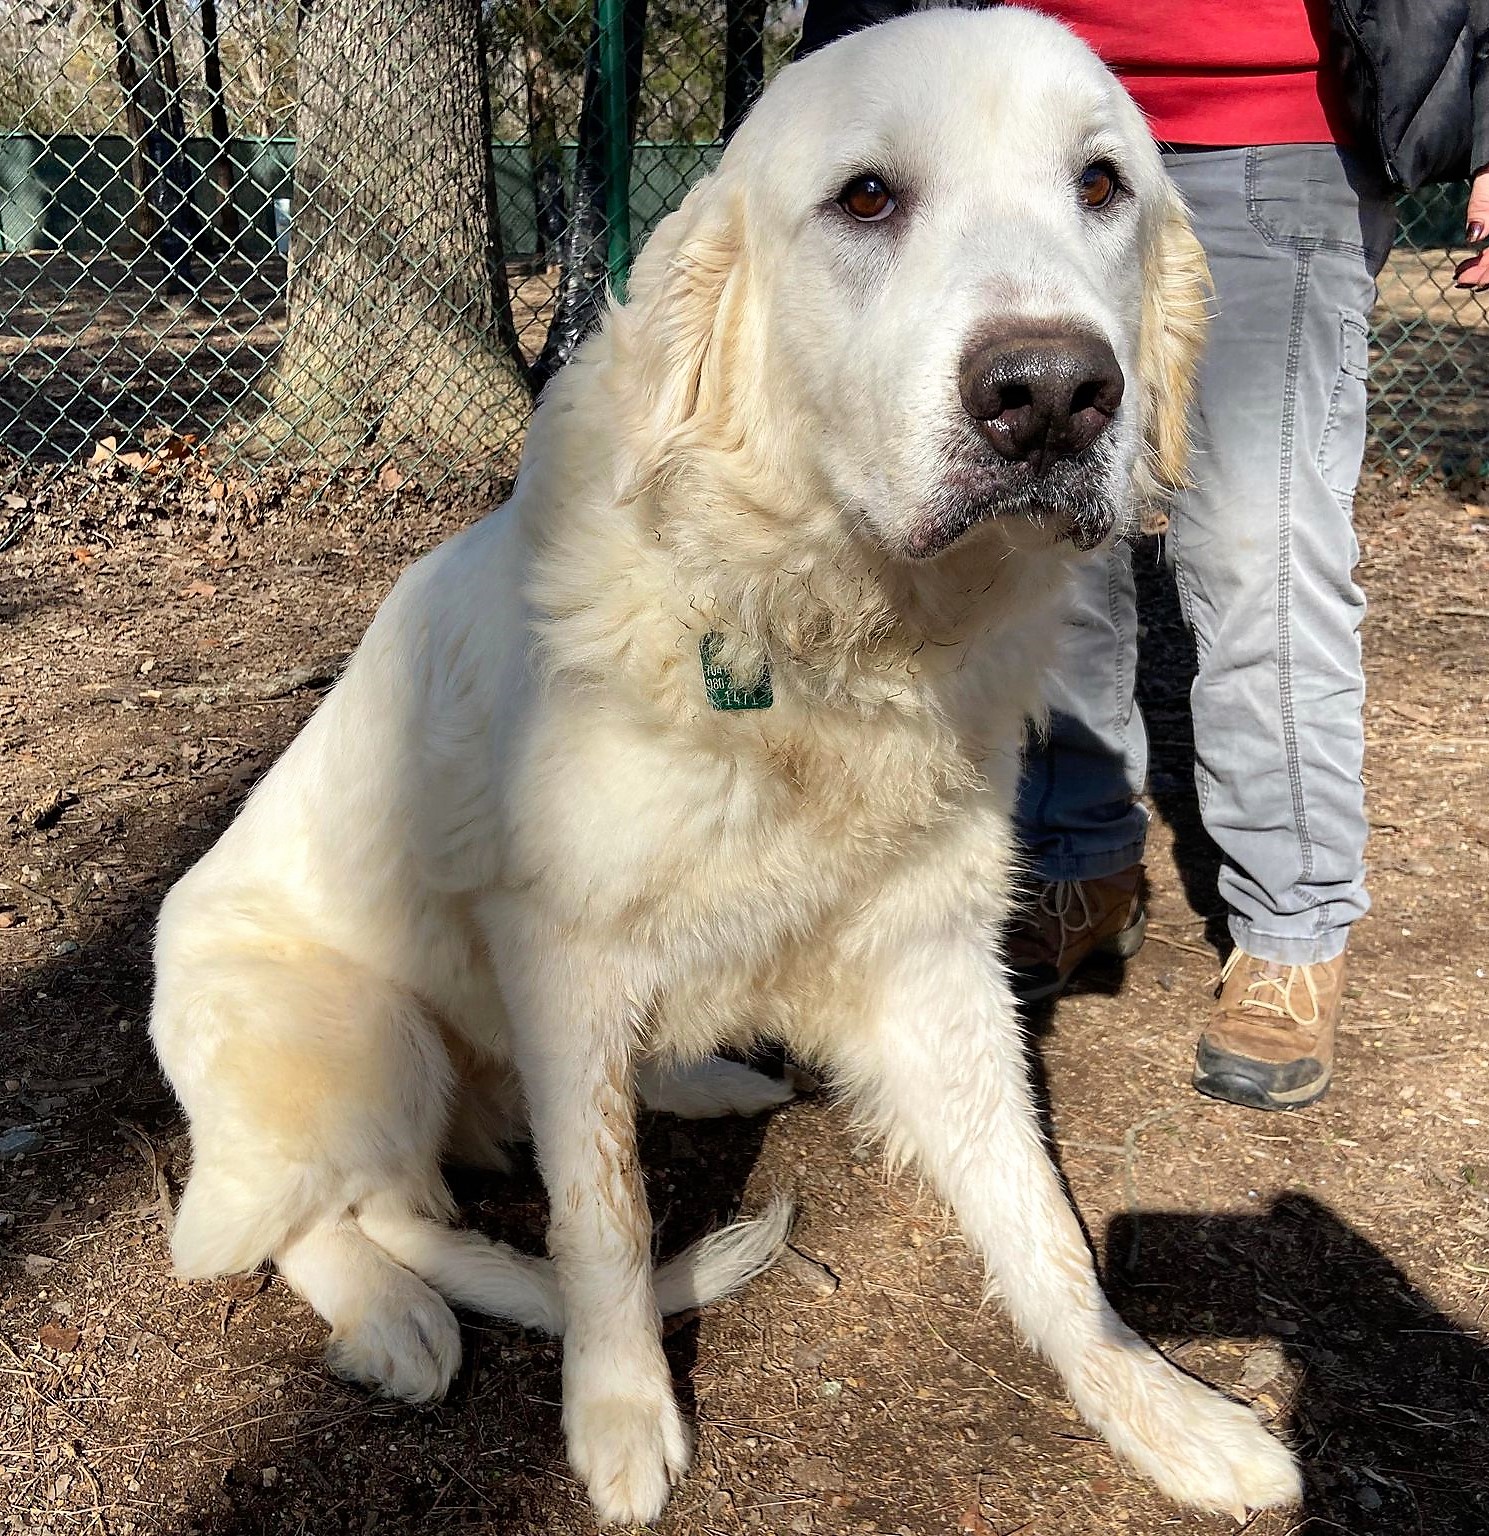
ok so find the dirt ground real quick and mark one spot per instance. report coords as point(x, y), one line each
point(164, 634)
point(90, 349)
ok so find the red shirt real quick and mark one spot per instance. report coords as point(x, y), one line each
point(1217, 71)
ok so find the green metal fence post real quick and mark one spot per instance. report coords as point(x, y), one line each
point(617, 155)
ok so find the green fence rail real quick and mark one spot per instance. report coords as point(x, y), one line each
point(279, 231)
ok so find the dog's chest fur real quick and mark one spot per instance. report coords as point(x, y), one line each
point(732, 849)
point(727, 852)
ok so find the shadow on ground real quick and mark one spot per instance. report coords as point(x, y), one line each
point(1388, 1408)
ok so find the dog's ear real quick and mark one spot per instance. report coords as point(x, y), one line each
point(675, 333)
point(1176, 292)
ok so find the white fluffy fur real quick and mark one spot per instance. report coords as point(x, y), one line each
point(517, 860)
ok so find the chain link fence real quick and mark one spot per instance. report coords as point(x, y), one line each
point(1430, 352)
point(360, 233)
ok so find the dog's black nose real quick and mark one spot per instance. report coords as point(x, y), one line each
point(1039, 397)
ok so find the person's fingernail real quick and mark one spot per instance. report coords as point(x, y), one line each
point(1475, 232)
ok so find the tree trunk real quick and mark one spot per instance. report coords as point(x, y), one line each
point(142, 215)
point(544, 150)
point(157, 123)
point(222, 166)
point(744, 59)
point(400, 326)
point(547, 163)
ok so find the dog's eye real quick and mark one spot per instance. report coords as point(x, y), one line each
point(1098, 184)
point(866, 199)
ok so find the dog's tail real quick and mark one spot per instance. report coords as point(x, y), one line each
point(475, 1272)
point(724, 1261)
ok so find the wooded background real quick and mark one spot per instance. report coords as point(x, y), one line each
point(361, 233)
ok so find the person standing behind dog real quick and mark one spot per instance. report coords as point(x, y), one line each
point(1289, 152)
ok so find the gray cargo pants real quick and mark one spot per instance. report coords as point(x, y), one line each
point(1263, 551)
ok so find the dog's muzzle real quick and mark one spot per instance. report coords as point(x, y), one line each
point(1040, 400)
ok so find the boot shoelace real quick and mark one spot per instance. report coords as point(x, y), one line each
point(1273, 994)
point(1059, 899)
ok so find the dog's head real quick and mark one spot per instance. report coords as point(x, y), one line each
point(941, 277)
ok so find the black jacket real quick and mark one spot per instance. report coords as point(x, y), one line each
point(1415, 76)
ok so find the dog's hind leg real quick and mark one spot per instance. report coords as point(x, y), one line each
point(310, 1085)
point(938, 1069)
point(709, 1088)
point(389, 1330)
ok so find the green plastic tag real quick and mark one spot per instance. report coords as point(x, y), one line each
point(723, 691)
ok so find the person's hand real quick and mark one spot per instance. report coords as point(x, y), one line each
point(1474, 273)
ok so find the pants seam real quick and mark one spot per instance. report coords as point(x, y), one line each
point(1302, 244)
point(1284, 566)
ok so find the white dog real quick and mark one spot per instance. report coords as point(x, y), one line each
point(710, 735)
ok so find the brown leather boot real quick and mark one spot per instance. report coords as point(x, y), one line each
point(1069, 922)
point(1270, 1044)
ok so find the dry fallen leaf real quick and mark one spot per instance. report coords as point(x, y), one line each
point(83, 556)
point(199, 589)
point(177, 447)
point(104, 449)
point(390, 477)
point(242, 1287)
point(60, 1337)
point(47, 811)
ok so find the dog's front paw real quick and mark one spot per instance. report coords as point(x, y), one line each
point(629, 1451)
point(1200, 1448)
point(405, 1346)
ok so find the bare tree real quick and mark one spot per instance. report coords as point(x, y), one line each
point(686, 94)
point(541, 87)
point(744, 59)
point(399, 320)
point(157, 123)
point(222, 169)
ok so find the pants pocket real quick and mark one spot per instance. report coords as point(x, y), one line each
point(1320, 197)
point(1342, 445)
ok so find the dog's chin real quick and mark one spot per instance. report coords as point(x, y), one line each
point(1066, 505)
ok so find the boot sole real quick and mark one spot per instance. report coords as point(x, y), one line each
point(1235, 1080)
point(1119, 946)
